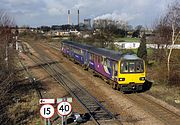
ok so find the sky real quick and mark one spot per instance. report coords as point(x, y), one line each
point(54, 12)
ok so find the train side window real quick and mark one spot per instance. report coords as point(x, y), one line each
point(108, 63)
point(105, 62)
point(102, 61)
point(96, 58)
point(90, 57)
point(99, 59)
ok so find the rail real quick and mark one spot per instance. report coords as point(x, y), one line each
point(95, 109)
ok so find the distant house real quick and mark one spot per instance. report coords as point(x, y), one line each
point(135, 45)
point(127, 45)
point(58, 33)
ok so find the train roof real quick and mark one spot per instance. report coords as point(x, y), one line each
point(75, 44)
point(108, 53)
point(104, 52)
point(131, 57)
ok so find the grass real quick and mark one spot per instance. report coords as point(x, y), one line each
point(169, 94)
point(25, 111)
point(126, 39)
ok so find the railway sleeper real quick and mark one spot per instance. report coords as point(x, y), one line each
point(89, 104)
point(87, 101)
point(103, 117)
point(93, 106)
point(94, 109)
point(100, 111)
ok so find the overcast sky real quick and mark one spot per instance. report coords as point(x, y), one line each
point(49, 12)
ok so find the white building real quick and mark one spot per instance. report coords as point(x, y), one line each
point(135, 45)
point(127, 45)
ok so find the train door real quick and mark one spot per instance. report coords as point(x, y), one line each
point(85, 56)
point(114, 75)
point(114, 71)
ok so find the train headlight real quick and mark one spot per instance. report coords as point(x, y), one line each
point(142, 78)
point(121, 79)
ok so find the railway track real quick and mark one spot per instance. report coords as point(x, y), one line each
point(30, 77)
point(98, 113)
point(163, 114)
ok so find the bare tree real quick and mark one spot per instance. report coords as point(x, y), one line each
point(6, 62)
point(5, 39)
point(173, 20)
point(162, 37)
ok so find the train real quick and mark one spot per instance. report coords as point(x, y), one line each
point(124, 72)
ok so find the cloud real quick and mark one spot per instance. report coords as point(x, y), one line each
point(117, 16)
point(20, 2)
point(55, 11)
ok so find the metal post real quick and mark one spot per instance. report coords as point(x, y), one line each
point(44, 121)
point(62, 119)
point(65, 120)
point(49, 123)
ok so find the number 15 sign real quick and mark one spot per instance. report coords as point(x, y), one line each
point(47, 111)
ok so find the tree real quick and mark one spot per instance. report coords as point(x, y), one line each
point(101, 38)
point(6, 62)
point(167, 33)
point(173, 20)
point(142, 51)
point(136, 33)
point(162, 37)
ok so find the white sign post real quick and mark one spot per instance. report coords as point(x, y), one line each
point(64, 109)
point(47, 111)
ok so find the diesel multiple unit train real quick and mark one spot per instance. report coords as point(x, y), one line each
point(125, 72)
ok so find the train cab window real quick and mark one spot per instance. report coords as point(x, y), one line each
point(124, 67)
point(132, 66)
point(139, 67)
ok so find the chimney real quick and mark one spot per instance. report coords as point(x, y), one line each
point(78, 17)
point(69, 17)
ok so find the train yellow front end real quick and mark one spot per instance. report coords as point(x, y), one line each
point(132, 74)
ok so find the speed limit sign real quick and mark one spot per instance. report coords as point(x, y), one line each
point(47, 111)
point(64, 108)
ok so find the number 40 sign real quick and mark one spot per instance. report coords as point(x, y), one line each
point(64, 108)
